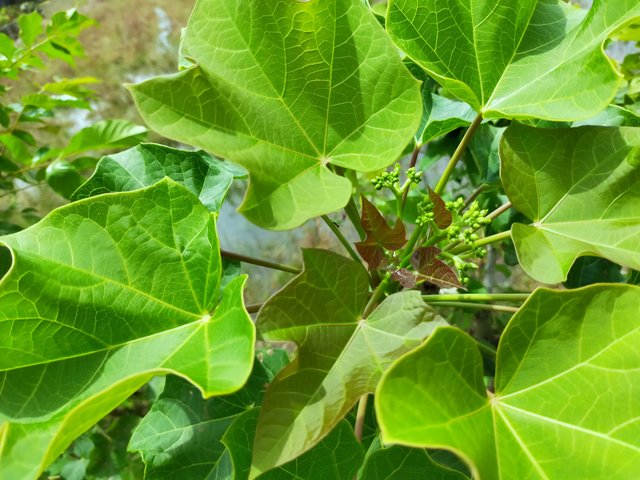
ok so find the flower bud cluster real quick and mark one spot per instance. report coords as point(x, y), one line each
point(425, 212)
point(464, 269)
point(387, 179)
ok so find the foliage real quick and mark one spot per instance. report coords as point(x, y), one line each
point(27, 117)
point(312, 98)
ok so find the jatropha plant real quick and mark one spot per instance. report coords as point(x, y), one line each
point(370, 363)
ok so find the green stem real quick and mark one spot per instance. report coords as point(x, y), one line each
point(354, 216)
point(345, 243)
point(412, 163)
point(457, 155)
point(477, 297)
point(360, 417)
point(376, 295)
point(483, 241)
point(259, 262)
point(475, 306)
point(474, 195)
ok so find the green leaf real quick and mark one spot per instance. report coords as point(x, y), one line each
point(484, 150)
point(581, 189)
point(340, 357)
point(107, 134)
point(181, 436)
point(589, 270)
point(63, 178)
point(515, 58)
point(401, 463)
point(31, 27)
point(99, 297)
point(567, 391)
point(147, 164)
point(285, 89)
point(379, 235)
point(337, 456)
point(441, 116)
point(613, 116)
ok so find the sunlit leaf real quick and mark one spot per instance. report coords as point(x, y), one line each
point(286, 89)
point(515, 58)
point(99, 297)
point(567, 391)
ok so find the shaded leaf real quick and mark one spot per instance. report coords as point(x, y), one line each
point(441, 115)
point(405, 277)
point(286, 88)
point(107, 134)
point(99, 297)
point(148, 163)
point(338, 456)
point(380, 235)
point(424, 260)
point(402, 463)
point(340, 357)
point(484, 150)
point(589, 270)
point(567, 391)
point(63, 178)
point(515, 58)
point(581, 189)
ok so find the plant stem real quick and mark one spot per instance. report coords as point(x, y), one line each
point(476, 306)
point(260, 262)
point(457, 155)
point(499, 211)
point(360, 417)
point(483, 241)
point(345, 243)
point(354, 216)
point(412, 163)
point(477, 297)
point(474, 195)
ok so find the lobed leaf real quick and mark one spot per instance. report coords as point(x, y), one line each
point(581, 189)
point(515, 58)
point(340, 356)
point(567, 391)
point(147, 164)
point(287, 89)
point(99, 297)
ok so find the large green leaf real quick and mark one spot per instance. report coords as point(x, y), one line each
point(96, 299)
point(338, 456)
point(567, 391)
point(515, 58)
point(340, 357)
point(581, 189)
point(146, 164)
point(286, 89)
point(181, 436)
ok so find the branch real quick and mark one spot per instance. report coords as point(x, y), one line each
point(457, 155)
point(476, 306)
point(259, 262)
point(345, 243)
point(477, 297)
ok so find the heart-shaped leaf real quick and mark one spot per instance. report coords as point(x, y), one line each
point(581, 189)
point(340, 356)
point(287, 88)
point(567, 391)
point(146, 164)
point(99, 297)
point(430, 268)
point(380, 236)
point(515, 58)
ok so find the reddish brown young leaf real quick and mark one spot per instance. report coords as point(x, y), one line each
point(379, 236)
point(406, 278)
point(432, 270)
point(441, 216)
